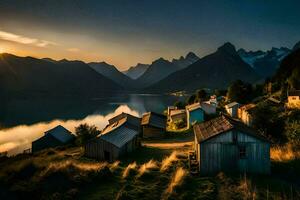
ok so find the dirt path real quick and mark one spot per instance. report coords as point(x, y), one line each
point(169, 145)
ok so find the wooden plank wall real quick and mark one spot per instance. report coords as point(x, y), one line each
point(222, 154)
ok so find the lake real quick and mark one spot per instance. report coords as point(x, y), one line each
point(25, 120)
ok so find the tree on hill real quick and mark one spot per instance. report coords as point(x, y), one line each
point(179, 104)
point(201, 95)
point(288, 72)
point(267, 121)
point(84, 132)
point(240, 91)
point(191, 99)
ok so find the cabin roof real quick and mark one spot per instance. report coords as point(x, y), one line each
point(177, 112)
point(118, 133)
point(60, 133)
point(232, 104)
point(206, 130)
point(193, 107)
point(136, 121)
point(154, 119)
point(294, 93)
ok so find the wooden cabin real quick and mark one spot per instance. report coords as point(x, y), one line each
point(232, 109)
point(293, 99)
point(225, 144)
point(153, 125)
point(194, 114)
point(245, 113)
point(177, 115)
point(116, 140)
point(208, 107)
point(57, 136)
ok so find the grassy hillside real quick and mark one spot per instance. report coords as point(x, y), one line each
point(159, 170)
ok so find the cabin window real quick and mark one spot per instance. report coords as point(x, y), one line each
point(242, 152)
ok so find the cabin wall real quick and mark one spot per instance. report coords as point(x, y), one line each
point(96, 148)
point(221, 153)
point(152, 132)
point(208, 108)
point(195, 116)
point(232, 111)
point(130, 146)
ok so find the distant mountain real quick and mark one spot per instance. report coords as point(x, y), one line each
point(136, 71)
point(158, 70)
point(32, 76)
point(289, 71)
point(112, 73)
point(216, 70)
point(296, 46)
point(183, 62)
point(264, 63)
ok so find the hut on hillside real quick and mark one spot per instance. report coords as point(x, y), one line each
point(153, 125)
point(225, 144)
point(293, 99)
point(194, 114)
point(232, 109)
point(57, 136)
point(208, 107)
point(117, 139)
point(177, 115)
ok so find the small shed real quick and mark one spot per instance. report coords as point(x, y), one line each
point(245, 113)
point(54, 137)
point(293, 99)
point(232, 109)
point(116, 140)
point(153, 125)
point(208, 107)
point(225, 144)
point(176, 115)
point(194, 114)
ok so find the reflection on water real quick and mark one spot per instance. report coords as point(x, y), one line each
point(26, 120)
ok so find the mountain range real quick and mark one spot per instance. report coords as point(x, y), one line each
point(32, 76)
point(265, 63)
point(27, 75)
point(112, 73)
point(216, 70)
point(136, 71)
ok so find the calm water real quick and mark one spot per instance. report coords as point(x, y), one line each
point(25, 120)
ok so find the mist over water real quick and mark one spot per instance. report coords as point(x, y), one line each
point(16, 139)
point(25, 121)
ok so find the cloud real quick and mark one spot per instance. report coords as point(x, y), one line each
point(24, 40)
point(73, 50)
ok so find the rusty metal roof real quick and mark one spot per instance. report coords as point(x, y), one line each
point(118, 133)
point(154, 119)
point(219, 125)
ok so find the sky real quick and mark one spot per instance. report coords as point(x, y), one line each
point(124, 33)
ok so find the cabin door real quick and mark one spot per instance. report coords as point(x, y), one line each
point(106, 155)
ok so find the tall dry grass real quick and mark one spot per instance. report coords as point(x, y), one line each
point(65, 165)
point(114, 166)
point(144, 168)
point(176, 180)
point(246, 189)
point(284, 153)
point(131, 166)
point(166, 162)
